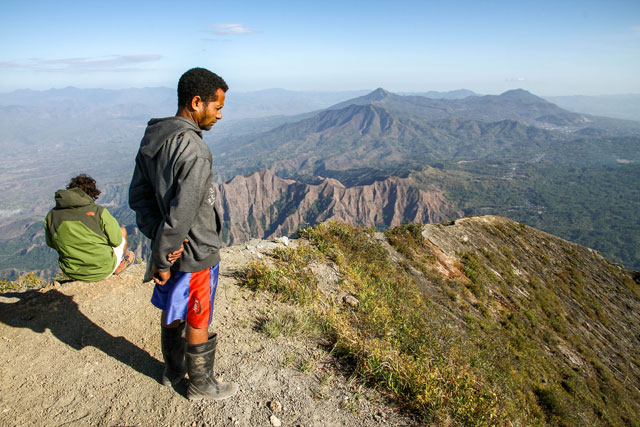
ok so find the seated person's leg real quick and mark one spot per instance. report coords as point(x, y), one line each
point(124, 238)
point(124, 258)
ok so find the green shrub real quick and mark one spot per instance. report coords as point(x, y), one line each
point(25, 282)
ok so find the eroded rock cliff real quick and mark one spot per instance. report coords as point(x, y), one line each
point(265, 205)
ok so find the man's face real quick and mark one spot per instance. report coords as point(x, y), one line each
point(210, 112)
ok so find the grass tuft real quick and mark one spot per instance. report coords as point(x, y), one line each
point(23, 283)
point(286, 324)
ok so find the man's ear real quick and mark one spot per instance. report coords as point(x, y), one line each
point(197, 103)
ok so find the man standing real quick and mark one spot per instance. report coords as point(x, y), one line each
point(173, 196)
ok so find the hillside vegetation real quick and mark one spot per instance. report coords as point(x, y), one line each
point(483, 321)
point(594, 206)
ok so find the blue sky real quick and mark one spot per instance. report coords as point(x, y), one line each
point(547, 47)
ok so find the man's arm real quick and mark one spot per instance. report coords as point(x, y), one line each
point(191, 181)
point(142, 200)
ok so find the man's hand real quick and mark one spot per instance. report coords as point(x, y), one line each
point(173, 256)
point(160, 277)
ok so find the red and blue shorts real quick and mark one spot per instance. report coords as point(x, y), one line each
point(188, 297)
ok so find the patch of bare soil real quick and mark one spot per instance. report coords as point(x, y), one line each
point(89, 354)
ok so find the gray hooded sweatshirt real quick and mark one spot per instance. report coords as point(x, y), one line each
point(173, 196)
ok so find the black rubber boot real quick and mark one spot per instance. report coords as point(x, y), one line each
point(173, 348)
point(202, 383)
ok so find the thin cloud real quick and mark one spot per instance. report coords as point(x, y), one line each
point(231, 29)
point(515, 79)
point(4, 65)
point(210, 39)
point(87, 64)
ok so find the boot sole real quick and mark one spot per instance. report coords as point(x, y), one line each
point(192, 396)
point(195, 398)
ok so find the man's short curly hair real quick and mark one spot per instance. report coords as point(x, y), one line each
point(86, 184)
point(200, 82)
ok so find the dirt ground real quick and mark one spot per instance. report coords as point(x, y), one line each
point(89, 354)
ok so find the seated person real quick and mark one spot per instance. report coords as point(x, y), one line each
point(91, 244)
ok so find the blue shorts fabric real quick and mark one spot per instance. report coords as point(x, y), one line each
point(188, 297)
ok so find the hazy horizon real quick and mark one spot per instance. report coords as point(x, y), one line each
point(325, 91)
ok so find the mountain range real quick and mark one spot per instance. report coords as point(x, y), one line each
point(375, 159)
point(382, 130)
point(517, 104)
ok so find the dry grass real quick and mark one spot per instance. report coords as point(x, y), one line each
point(388, 337)
point(472, 353)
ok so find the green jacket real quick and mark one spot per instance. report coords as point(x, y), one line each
point(84, 234)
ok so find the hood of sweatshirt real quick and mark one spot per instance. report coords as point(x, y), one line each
point(72, 198)
point(160, 130)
